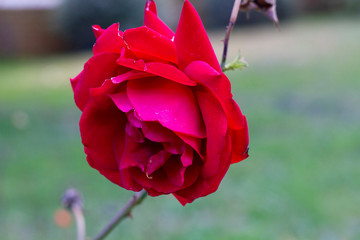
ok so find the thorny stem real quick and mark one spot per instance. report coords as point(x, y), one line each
point(234, 15)
point(125, 212)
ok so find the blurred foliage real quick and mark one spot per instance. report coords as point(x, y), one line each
point(77, 16)
point(346, 6)
point(218, 14)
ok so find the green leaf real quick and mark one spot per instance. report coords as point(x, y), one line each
point(238, 63)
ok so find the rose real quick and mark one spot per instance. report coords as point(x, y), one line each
point(158, 112)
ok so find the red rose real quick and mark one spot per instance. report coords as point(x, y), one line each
point(158, 112)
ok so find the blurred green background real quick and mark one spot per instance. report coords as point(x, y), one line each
point(300, 94)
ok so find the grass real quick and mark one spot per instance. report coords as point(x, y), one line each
point(301, 97)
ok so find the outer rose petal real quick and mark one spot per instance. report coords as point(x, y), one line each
point(100, 128)
point(191, 40)
point(131, 63)
point(130, 75)
point(214, 182)
point(216, 127)
point(206, 186)
point(220, 86)
point(109, 41)
point(148, 44)
point(97, 30)
point(114, 85)
point(240, 143)
point(169, 72)
point(159, 69)
point(99, 68)
point(150, 6)
point(152, 21)
point(122, 101)
point(172, 104)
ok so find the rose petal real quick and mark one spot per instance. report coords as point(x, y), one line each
point(172, 104)
point(182, 200)
point(152, 192)
point(240, 143)
point(220, 86)
point(127, 181)
point(105, 89)
point(174, 147)
point(152, 21)
point(130, 75)
point(97, 30)
point(216, 127)
point(191, 40)
point(154, 131)
point(157, 161)
point(74, 81)
point(150, 6)
point(175, 171)
point(157, 183)
point(137, 154)
point(205, 186)
point(169, 72)
point(187, 156)
point(146, 43)
point(98, 127)
point(225, 157)
point(139, 176)
point(102, 133)
point(161, 183)
point(99, 68)
point(115, 85)
point(194, 142)
point(134, 119)
point(134, 132)
point(192, 172)
point(110, 40)
point(131, 63)
point(122, 101)
point(159, 69)
point(188, 195)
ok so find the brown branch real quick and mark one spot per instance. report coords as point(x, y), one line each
point(125, 212)
point(72, 200)
point(234, 15)
point(80, 222)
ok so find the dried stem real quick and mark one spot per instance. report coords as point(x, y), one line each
point(234, 15)
point(72, 200)
point(125, 212)
point(80, 222)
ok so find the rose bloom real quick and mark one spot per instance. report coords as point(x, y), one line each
point(157, 111)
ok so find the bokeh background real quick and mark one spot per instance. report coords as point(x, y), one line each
point(300, 93)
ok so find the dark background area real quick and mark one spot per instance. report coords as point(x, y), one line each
point(65, 26)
